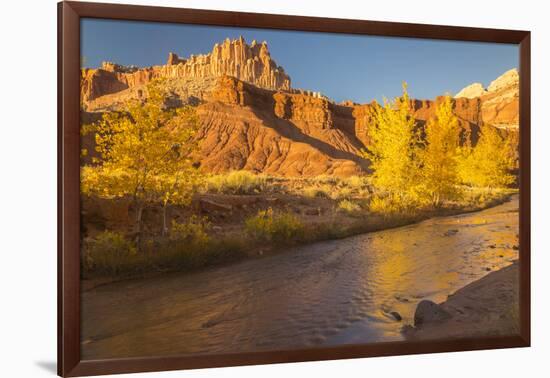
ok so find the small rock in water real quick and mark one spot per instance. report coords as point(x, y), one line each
point(400, 298)
point(210, 323)
point(488, 269)
point(429, 312)
point(450, 232)
point(515, 248)
point(492, 246)
point(407, 329)
point(396, 315)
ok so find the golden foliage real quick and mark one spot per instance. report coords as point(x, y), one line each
point(389, 204)
point(490, 162)
point(145, 152)
point(394, 147)
point(440, 155)
point(412, 170)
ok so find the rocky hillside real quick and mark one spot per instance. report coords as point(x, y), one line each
point(251, 118)
point(499, 101)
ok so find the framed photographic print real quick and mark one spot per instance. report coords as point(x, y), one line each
point(239, 188)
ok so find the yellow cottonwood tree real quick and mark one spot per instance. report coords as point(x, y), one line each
point(393, 148)
point(440, 155)
point(490, 162)
point(144, 154)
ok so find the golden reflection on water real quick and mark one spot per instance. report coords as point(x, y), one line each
point(328, 293)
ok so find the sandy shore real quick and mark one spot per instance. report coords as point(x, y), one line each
point(486, 307)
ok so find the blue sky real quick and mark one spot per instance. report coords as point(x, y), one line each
point(360, 68)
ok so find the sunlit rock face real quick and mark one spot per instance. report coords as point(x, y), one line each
point(499, 102)
point(472, 91)
point(506, 80)
point(251, 118)
point(250, 63)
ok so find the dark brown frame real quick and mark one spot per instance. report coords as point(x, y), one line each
point(69, 14)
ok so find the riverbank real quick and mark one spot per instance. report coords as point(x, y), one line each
point(486, 307)
point(278, 220)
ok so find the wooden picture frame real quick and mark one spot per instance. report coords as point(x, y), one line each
point(69, 15)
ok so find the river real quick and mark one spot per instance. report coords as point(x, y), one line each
point(327, 293)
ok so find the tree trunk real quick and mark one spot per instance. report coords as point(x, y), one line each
point(436, 200)
point(139, 213)
point(164, 220)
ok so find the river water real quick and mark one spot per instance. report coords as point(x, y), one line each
point(327, 293)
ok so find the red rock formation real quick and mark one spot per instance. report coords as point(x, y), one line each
point(96, 83)
point(499, 102)
point(299, 117)
point(251, 63)
point(293, 134)
point(252, 119)
point(240, 137)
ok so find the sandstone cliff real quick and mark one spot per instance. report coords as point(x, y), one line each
point(500, 101)
point(286, 133)
point(251, 63)
point(472, 91)
point(252, 119)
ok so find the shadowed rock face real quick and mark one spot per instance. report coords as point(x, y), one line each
point(280, 133)
point(429, 312)
point(252, 119)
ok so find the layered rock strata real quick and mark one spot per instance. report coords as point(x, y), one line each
point(499, 102)
point(251, 63)
point(251, 118)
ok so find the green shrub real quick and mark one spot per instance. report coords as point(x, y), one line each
point(194, 232)
point(279, 228)
point(187, 247)
point(109, 253)
point(226, 249)
point(236, 182)
point(327, 231)
point(349, 206)
point(190, 246)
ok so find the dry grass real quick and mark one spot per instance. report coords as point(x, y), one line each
point(188, 246)
point(305, 210)
point(236, 182)
point(349, 207)
point(277, 227)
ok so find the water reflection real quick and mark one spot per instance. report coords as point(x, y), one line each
point(324, 294)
